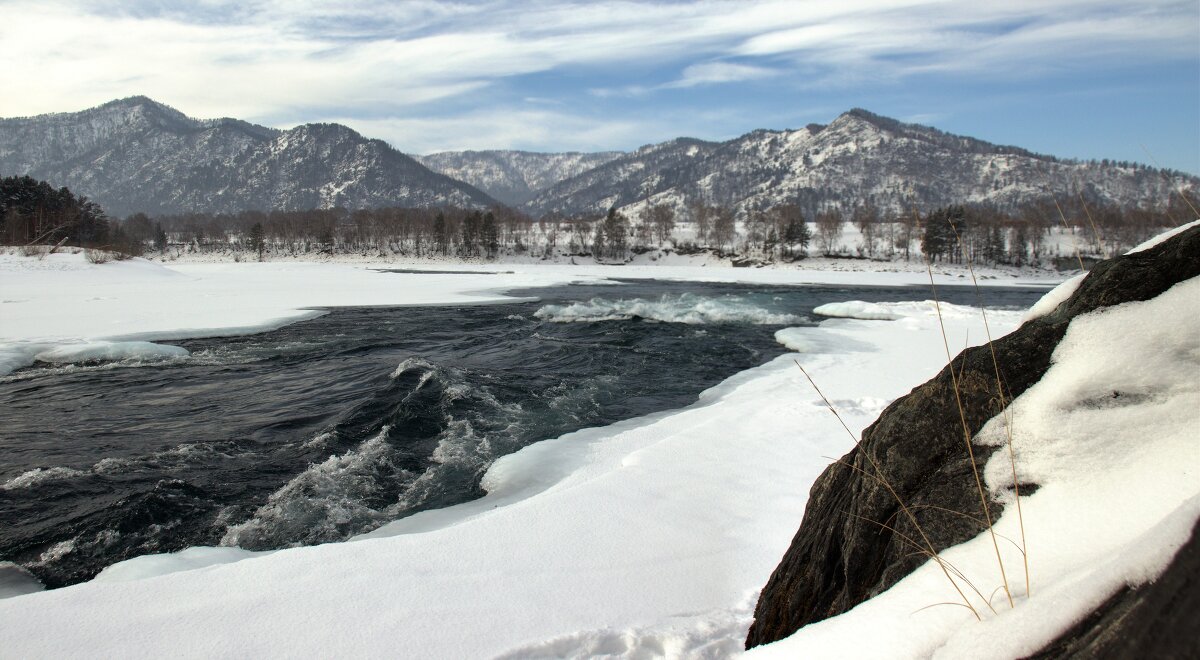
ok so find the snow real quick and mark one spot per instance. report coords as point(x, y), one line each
point(1109, 435)
point(1053, 298)
point(1163, 236)
point(856, 309)
point(63, 300)
point(16, 581)
point(650, 536)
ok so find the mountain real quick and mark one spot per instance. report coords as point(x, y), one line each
point(514, 177)
point(858, 157)
point(136, 154)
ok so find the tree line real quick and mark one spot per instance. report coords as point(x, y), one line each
point(35, 212)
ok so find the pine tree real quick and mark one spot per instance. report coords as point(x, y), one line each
point(257, 238)
point(441, 239)
point(490, 235)
point(160, 237)
point(616, 229)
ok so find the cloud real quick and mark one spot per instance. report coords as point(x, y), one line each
point(465, 63)
point(710, 73)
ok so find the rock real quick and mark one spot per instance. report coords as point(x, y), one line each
point(850, 545)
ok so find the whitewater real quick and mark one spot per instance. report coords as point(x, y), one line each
point(647, 537)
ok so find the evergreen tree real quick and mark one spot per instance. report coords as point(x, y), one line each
point(441, 239)
point(257, 238)
point(491, 235)
point(472, 226)
point(616, 230)
point(160, 237)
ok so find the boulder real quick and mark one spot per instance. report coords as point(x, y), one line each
point(852, 542)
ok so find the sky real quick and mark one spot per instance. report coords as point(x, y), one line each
point(1073, 78)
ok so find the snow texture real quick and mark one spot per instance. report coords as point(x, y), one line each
point(650, 536)
point(856, 309)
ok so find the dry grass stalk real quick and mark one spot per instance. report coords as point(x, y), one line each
point(886, 484)
point(1005, 411)
point(1104, 250)
point(962, 414)
point(1074, 241)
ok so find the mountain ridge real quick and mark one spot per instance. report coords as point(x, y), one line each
point(136, 154)
point(858, 158)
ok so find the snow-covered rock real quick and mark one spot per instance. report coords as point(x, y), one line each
point(1103, 398)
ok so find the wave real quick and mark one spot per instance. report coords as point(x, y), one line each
point(683, 308)
point(39, 476)
point(417, 441)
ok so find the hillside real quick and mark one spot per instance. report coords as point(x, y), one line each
point(514, 177)
point(136, 154)
point(859, 157)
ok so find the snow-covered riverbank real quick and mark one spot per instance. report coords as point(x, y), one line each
point(63, 300)
point(650, 536)
point(653, 534)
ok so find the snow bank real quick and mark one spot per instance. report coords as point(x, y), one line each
point(650, 536)
point(1109, 435)
point(856, 309)
point(684, 308)
point(16, 581)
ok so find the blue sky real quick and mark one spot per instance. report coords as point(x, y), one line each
point(1073, 78)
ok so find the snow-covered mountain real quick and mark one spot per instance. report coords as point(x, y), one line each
point(859, 157)
point(514, 177)
point(136, 154)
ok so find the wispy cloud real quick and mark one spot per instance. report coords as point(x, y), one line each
point(456, 63)
point(710, 73)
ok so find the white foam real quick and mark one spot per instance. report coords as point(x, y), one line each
point(684, 308)
point(39, 476)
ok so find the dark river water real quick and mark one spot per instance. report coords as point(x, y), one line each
point(334, 426)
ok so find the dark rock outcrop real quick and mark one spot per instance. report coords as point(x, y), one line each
point(850, 545)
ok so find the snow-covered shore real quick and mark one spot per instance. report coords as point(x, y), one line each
point(651, 535)
point(63, 302)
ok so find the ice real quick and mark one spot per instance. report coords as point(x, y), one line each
point(856, 309)
point(684, 308)
point(110, 350)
